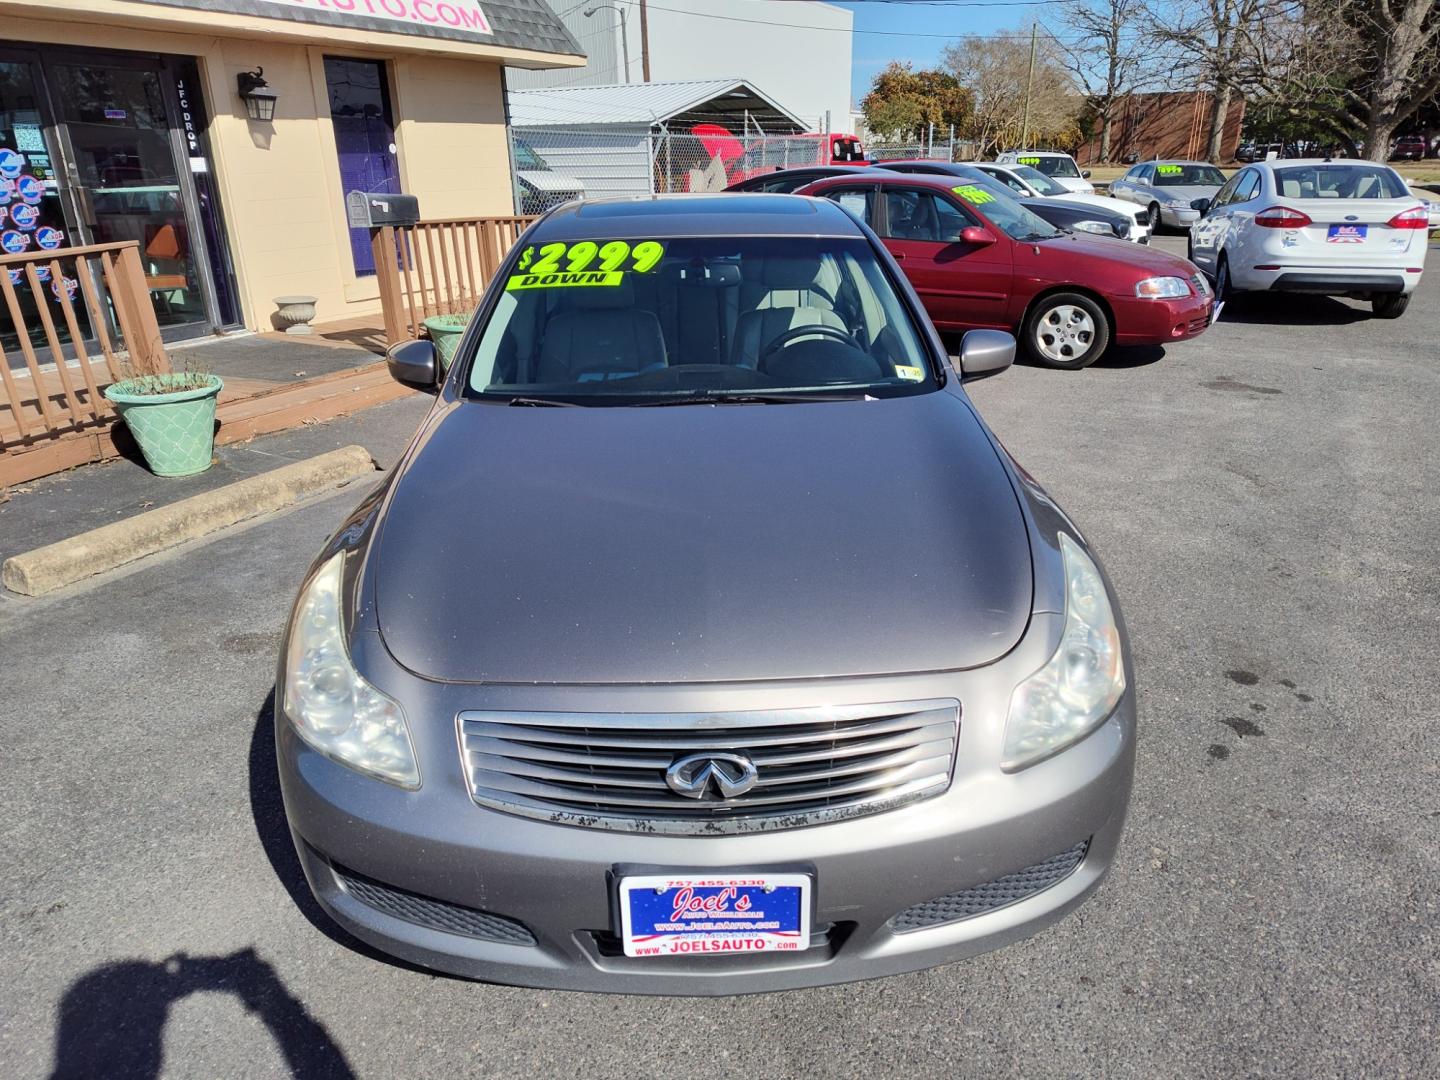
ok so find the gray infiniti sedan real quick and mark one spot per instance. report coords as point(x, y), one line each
point(705, 640)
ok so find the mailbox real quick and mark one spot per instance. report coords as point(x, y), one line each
point(372, 209)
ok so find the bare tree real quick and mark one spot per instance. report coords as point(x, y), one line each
point(995, 71)
point(1221, 45)
point(1398, 65)
point(1108, 53)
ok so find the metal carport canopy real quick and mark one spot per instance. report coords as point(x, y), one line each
point(651, 103)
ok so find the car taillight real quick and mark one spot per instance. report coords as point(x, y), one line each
point(1414, 218)
point(1282, 217)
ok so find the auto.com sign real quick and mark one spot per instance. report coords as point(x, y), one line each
point(451, 14)
point(435, 16)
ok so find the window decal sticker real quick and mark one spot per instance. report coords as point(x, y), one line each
point(584, 262)
point(976, 196)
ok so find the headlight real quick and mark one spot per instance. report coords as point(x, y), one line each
point(332, 707)
point(1094, 227)
point(1161, 288)
point(1080, 685)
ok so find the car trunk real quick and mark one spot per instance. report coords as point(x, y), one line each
point(1348, 232)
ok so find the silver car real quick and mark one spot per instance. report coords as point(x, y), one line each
point(1167, 190)
point(705, 640)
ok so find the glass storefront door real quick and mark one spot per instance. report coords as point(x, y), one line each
point(126, 178)
point(116, 152)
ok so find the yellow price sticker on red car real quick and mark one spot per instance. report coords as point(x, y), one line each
point(976, 196)
point(584, 262)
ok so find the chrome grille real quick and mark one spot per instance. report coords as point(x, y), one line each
point(607, 770)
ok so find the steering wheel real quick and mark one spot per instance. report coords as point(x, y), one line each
point(795, 333)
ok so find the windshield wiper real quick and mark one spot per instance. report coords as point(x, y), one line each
point(542, 401)
point(714, 397)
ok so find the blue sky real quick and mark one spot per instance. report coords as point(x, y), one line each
point(872, 51)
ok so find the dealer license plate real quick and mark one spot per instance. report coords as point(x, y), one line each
point(1347, 234)
point(666, 915)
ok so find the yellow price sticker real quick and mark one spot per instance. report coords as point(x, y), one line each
point(909, 374)
point(976, 196)
point(581, 255)
point(1028, 161)
point(1169, 170)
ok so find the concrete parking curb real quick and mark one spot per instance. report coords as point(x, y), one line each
point(65, 562)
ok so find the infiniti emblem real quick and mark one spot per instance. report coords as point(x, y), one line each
point(707, 776)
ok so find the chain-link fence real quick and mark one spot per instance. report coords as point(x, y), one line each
point(943, 147)
point(556, 164)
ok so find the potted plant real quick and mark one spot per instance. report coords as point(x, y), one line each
point(172, 417)
point(446, 328)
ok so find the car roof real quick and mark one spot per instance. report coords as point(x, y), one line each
point(1282, 163)
point(719, 214)
point(891, 177)
point(1175, 161)
point(1041, 153)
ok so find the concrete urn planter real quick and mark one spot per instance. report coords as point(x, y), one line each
point(295, 313)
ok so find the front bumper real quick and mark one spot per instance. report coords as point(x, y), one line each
point(1156, 322)
point(1178, 217)
point(556, 881)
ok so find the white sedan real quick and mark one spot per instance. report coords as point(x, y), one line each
point(1339, 228)
point(1027, 182)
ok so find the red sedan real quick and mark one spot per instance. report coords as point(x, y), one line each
point(978, 259)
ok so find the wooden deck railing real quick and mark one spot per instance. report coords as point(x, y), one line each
point(85, 321)
point(438, 267)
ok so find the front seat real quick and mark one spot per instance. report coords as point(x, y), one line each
point(795, 279)
point(600, 335)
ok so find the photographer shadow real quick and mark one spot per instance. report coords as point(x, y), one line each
point(112, 1020)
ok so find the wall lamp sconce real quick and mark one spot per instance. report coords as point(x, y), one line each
point(256, 93)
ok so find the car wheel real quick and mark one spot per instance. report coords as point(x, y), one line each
point(1389, 305)
point(1153, 216)
point(1066, 330)
point(1222, 280)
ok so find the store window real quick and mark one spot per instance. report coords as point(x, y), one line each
point(364, 138)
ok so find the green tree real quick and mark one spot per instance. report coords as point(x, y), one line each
point(903, 103)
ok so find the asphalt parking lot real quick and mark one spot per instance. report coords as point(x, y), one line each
point(1264, 498)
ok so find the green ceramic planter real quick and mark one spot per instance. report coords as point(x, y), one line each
point(445, 332)
point(175, 430)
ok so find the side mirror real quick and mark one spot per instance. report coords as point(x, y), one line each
point(413, 364)
point(1200, 204)
point(985, 352)
point(1085, 174)
point(974, 234)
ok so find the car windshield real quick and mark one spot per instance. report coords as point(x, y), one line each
point(1056, 165)
point(1173, 174)
point(1005, 212)
point(615, 321)
point(1339, 182)
point(1039, 181)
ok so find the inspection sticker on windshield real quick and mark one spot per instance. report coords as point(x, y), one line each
point(909, 374)
point(584, 262)
point(715, 916)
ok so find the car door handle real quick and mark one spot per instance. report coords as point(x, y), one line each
point(899, 256)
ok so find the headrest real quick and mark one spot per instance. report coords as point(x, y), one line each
point(791, 271)
point(601, 297)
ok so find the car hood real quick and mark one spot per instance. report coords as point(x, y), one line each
point(1104, 202)
point(1137, 260)
point(701, 543)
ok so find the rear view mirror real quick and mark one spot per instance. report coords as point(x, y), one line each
point(985, 352)
point(1200, 204)
point(413, 364)
point(974, 234)
point(1085, 175)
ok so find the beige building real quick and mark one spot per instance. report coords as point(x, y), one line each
point(137, 120)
